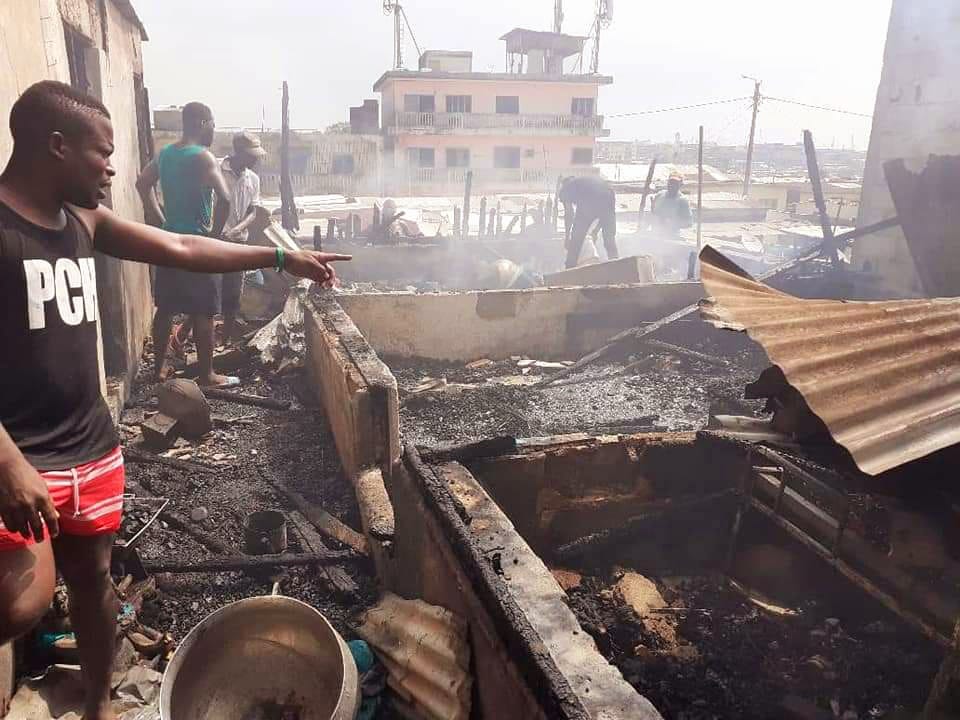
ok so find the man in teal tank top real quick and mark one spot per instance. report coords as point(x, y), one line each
point(190, 180)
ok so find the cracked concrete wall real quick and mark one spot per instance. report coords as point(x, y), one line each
point(545, 323)
point(917, 114)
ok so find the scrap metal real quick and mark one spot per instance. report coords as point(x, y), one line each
point(884, 377)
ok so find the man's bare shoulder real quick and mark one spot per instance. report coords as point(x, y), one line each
point(92, 219)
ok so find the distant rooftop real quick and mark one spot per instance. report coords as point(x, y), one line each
point(511, 77)
point(524, 41)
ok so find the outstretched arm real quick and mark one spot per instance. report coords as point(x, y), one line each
point(146, 186)
point(134, 241)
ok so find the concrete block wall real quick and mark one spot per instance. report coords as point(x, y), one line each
point(917, 114)
point(544, 323)
point(359, 395)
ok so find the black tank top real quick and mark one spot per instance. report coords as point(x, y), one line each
point(50, 401)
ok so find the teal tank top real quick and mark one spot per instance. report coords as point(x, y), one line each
point(187, 204)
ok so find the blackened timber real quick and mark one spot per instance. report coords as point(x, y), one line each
point(829, 242)
point(236, 563)
point(464, 453)
point(599, 542)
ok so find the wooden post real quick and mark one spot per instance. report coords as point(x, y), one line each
point(468, 187)
point(288, 203)
point(499, 220)
point(317, 238)
point(331, 230)
point(348, 228)
point(523, 218)
point(829, 243)
point(556, 206)
point(548, 218)
point(699, 205)
point(483, 216)
point(457, 223)
point(491, 226)
point(748, 170)
point(646, 194)
point(357, 224)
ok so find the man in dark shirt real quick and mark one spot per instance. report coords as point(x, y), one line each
point(588, 200)
point(61, 471)
point(671, 209)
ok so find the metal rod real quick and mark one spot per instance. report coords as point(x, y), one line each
point(887, 600)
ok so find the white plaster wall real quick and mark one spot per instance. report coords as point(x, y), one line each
point(917, 114)
point(498, 324)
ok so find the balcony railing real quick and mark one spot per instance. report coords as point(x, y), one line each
point(452, 179)
point(451, 122)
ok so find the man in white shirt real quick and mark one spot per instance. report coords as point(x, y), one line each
point(244, 186)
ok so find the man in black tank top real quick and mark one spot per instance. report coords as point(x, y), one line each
point(61, 471)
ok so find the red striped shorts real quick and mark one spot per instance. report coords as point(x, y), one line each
point(88, 497)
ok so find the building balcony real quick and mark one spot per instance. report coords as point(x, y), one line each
point(451, 181)
point(426, 123)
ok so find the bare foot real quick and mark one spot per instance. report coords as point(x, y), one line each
point(215, 380)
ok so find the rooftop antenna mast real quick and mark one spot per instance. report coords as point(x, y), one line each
point(392, 7)
point(602, 22)
point(558, 16)
point(400, 20)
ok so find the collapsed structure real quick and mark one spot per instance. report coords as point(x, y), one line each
point(633, 541)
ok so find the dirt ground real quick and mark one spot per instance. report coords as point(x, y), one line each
point(294, 446)
point(726, 657)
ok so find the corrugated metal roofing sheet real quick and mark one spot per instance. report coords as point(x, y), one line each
point(425, 651)
point(883, 376)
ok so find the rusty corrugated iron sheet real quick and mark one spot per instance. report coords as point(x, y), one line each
point(425, 651)
point(884, 377)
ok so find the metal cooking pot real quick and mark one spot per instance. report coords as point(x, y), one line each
point(264, 658)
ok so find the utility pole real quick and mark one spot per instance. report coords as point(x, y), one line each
point(397, 37)
point(753, 133)
point(288, 203)
point(558, 16)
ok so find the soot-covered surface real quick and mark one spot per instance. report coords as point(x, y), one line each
point(712, 653)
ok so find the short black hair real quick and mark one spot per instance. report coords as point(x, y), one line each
point(49, 106)
point(194, 115)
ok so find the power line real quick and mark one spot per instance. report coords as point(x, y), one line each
point(739, 99)
point(817, 107)
point(680, 107)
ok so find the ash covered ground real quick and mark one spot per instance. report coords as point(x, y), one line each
point(642, 387)
point(294, 446)
point(729, 658)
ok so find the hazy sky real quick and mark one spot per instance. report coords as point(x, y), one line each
point(234, 55)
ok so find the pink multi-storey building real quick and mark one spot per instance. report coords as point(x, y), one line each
point(517, 131)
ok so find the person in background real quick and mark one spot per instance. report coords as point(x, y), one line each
point(671, 209)
point(190, 179)
point(587, 200)
point(61, 467)
point(244, 185)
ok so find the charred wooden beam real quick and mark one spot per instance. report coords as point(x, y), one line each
point(238, 563)
point(600, 542)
